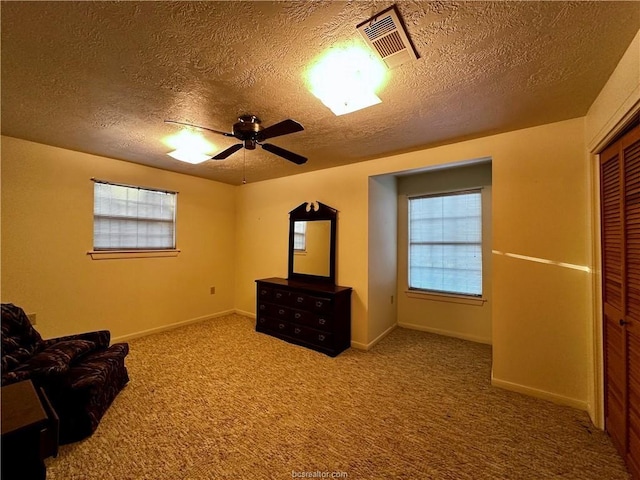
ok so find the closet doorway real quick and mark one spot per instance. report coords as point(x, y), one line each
point(620, 217)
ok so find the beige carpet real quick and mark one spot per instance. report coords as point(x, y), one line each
point(216, 400)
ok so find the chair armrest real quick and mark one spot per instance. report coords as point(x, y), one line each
point(101, 338)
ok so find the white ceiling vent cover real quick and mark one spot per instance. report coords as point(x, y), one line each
point(385, 33)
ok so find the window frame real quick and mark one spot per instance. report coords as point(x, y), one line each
point(426, 293)
point(131, 251)
point(300, 234)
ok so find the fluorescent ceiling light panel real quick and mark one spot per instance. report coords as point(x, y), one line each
point(351, 101)
point(346, 79)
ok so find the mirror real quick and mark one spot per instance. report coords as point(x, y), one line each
point(312, 238)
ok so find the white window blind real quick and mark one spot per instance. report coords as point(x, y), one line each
point(133, 218)
point(300, 236)
point(445, 243)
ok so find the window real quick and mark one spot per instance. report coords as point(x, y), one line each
point(445, 243)
point(300, 236)
point(133, 218)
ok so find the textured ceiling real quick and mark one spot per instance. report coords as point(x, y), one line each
point(100, 77)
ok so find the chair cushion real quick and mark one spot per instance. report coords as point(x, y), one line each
point(57, 358)
point(97, 367)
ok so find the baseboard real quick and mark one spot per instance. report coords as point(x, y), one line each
point(171, 326)
point(543, 394)
point(371, 344)
point(446, 333)
point(245, 314)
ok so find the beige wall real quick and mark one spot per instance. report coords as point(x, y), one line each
point(618, 102)
point(382, 259)
point(442, 314)
point(540, 312)
point(47, 229)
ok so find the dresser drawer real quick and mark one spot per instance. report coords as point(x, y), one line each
point(277, 312)
point(263, 322)
point(264, 308)
point(322, 322)
point(314, 320)
point(282, 327)
point(281, 297)
point(301, 316)
point(313, 303)
point(265, 294)
point(273, 295)
point(311, 335)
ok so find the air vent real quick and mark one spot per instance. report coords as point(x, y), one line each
point(385, 33)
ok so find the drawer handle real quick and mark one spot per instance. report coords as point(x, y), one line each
point(262, 320)
point(281, 326)
point(297, 315)
point(300, 299)
point(322, 321)
point(263, 292)
point(321, 338)
point(319, 303)
point(278, 295)
point(281, 311)
point(297, 330)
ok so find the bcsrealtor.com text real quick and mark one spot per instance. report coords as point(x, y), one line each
point(318, 474)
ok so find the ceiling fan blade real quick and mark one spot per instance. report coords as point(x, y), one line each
point(174, 122)
point(225, 153)
point(286, 154)
point(283, 128)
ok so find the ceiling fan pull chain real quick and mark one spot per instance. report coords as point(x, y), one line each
point(244, 167)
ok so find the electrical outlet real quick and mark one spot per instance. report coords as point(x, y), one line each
point(32, 318)
point(213, 290)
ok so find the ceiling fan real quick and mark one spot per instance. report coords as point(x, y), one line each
point(250, 132)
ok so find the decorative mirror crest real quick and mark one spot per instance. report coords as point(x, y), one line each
point(312, 242)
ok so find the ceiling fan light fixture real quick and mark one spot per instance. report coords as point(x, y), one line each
point(189, 156)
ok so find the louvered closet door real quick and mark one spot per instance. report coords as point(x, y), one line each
point(631, 155)
point(620, 200)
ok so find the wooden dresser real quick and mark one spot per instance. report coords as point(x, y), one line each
point(313, 315)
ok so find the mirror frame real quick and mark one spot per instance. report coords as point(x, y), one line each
point(307, 212)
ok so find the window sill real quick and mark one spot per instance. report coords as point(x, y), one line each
point(446, 297)
point(119, 254)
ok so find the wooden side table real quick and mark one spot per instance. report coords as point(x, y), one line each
point(29, 431)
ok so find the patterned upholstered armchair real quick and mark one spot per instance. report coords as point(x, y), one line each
point(81, 374)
